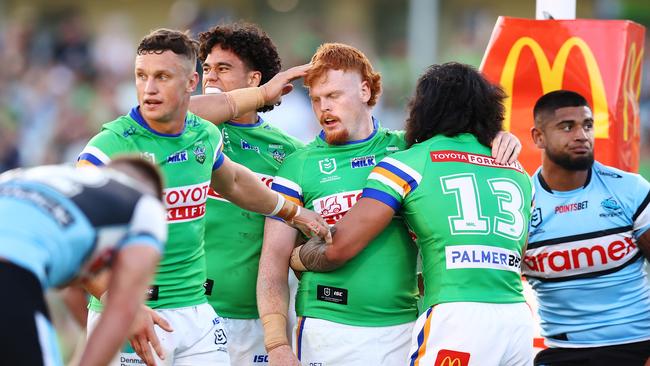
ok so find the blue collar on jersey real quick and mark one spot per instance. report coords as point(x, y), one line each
point(256, 124)
point(375, 126)
point(135, 114)
point(547, 188)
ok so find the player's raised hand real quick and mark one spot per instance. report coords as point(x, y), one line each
point(280, 84)
point(144, 335)
point(283, 356)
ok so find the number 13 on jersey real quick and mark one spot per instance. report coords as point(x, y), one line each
point(509, 222)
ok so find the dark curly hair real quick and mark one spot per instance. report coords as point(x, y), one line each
point(251, 44)
point(163, 39)
point(451, 99)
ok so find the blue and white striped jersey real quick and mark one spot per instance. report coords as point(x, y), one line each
point(583, 262)
point(60, 222)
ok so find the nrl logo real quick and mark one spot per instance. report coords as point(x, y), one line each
point(199, 152)
point(536, 217)
point(327, 165)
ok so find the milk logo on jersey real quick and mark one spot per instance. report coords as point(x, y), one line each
point(565, 258)
point(199, 152)
point(277, 152)
point(482, 256)
point(362, 162)
point(177, 157)
point(611, 207)
point(246, 146)
point(266, 179)
point(186, 203)
point(327, 165)
point(536, 217)
point(334, 206)
point(148, 156)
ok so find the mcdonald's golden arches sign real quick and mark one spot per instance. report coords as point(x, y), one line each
point(600, 59)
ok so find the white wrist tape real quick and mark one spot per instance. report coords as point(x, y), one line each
point(278, 206)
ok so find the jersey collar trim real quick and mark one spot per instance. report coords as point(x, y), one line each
point(548, 189)
point(259, 122)
point(375, 127)
point(135, 114)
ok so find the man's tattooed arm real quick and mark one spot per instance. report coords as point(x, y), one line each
point(311, 256)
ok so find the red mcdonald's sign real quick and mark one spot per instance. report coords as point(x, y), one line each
point(600, 59)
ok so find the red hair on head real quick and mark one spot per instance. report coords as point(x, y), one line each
point(338, 56)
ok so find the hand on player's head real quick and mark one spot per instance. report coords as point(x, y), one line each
point(280, 84)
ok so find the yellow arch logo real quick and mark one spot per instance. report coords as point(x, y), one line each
point(448, 361)
point(551, 77)
point(631, 89)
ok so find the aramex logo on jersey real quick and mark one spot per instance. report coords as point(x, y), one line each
point(579, 257)
point(334, 206)
point(186, 203)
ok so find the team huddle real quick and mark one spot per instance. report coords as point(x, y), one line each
point(190, 219)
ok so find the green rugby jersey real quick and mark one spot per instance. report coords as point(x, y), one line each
point(233, 236)
point(469, 214)
point(186, 161)
point(379, 286)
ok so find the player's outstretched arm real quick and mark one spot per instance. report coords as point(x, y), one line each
point(366, 219)
point(132, 271)
point(273, 291)
point(219, 108)
point(506, 148)
point(242, 187)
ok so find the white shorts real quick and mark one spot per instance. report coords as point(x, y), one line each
point(473, 333)
point(320, 342)
point(198, 338)
point(245, 341)
point(292, 319)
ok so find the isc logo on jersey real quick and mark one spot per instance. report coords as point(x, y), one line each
point(579, 257)
point(266, 179)
point(334, 206)
point(186, 203)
